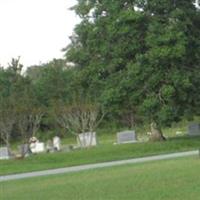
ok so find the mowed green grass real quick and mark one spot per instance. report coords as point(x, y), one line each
point(101, 153)
point(161, 180)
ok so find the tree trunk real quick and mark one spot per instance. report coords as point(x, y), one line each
point(156, 133)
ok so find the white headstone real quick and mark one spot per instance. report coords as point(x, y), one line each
point(57, 143)
point(87, 139)
point(4, 153)
point(37, 147)
point(126, 137)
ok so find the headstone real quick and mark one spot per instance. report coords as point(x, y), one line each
point(40, 147)
point(126, 137)
point(24, 150)
point(194, 129)
point(37, 147)
point(4, 153)
point(49, 146)
point(57, 143)
point(87, 139)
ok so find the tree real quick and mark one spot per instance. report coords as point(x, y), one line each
point(143, 52)
point(8, 80)
point(170, 65)
point(29, 111)
point(101, 48)
point(7, 119)
point(28, 121)
point(19, 106)
point(52, 81)
point(79, 117)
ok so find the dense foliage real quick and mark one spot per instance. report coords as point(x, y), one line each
point(139, 59)
point(142, 56)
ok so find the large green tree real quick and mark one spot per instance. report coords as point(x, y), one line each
point(104, 43)
point(140, 54)
point(169, 68)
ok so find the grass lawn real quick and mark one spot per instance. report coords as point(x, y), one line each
point(101, 153)
point(161, 180)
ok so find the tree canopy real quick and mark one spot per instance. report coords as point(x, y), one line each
point(140, 55)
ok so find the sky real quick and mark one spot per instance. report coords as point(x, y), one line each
point(36, 30)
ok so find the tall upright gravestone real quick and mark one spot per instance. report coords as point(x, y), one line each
point(57, 143)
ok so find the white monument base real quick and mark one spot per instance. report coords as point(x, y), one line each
point(37, 147)
point(87, 139)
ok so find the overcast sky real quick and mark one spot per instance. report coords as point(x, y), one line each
point(36, 30)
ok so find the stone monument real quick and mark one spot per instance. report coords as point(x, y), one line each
point(24, 150)
point(126, 137)
point(194, 129)
point(4, 153)
point(87, 139)
point(56, 143)
point(36, 146)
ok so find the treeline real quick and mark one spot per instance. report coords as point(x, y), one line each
point(133, 62)
point(45, 101)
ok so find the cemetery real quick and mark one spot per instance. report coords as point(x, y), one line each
point(96, 147)
point(89, 140)
point(110, 111)
point(93, 147)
